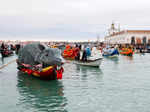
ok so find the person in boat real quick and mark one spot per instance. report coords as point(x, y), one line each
point(12, 47)
point(76, 46)
point(77, 54)
point(111, 50)
point(130, 50)
point(2, 50)
point(18, 46)
point(80, 46)
point(3, 46)
point(84, 55)
point(88, 52)
point(96, 53)
point(107, 50)
point(8, 47)
point(142, 49)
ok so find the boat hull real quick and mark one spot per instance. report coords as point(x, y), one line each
point(69, 58)
point(126, 53)
point(93, 63)
point(48, 73)
point(130, 54)
point(111, 56)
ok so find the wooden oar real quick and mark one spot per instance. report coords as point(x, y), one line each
point(7, 64)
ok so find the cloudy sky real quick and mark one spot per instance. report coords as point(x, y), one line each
point(69, 19)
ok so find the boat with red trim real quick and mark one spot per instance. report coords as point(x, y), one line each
point(47, 73)
point(40, 61)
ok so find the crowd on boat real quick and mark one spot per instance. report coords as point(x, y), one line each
point(80, 52)
point(6, 49)
point(85, 52)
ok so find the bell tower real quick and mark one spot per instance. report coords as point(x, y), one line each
point(112, 29)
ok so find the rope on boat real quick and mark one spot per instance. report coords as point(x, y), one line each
point(7, 64)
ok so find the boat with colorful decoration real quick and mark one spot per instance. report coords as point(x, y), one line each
point(47, 73)
point(40, 61)
point(110, 52)
point(70, 52)
point(126, 51)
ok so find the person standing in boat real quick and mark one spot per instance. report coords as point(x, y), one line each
point(18, 46)
point(80, 46)
point(84, 55)
point(140, 49)
point(88, 51)
point(112, 49)
point(2, 49)
point(2, 46)
point(77, 52)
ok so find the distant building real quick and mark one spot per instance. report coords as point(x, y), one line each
point(128, 37)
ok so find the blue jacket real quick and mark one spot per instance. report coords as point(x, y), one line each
point(88, 51)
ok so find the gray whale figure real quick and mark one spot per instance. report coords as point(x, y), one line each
point(37, 53)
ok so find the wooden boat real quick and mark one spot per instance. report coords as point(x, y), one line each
point(38, 60)
point(69, 58)
point(47, 73)
point(113, 56)
point(126, 52)
point(93, 63)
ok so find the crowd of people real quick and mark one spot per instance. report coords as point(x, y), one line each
point(86, 52)
point(7, 49)
point(80, 52)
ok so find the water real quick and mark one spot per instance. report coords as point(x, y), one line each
point(120, 85)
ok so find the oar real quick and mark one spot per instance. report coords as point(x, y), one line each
point(7, 64)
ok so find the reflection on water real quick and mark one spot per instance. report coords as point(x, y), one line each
point(2, 60)
point(114, 59)
point(5, 60)
point(84, 83)
point(130, 58)
point(41, 95)
point(86, 71)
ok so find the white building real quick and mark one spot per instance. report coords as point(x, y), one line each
point(127, 36)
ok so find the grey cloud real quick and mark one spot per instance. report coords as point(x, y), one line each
point(69, 19)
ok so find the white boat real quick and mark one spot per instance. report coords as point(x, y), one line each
point(90, 62)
